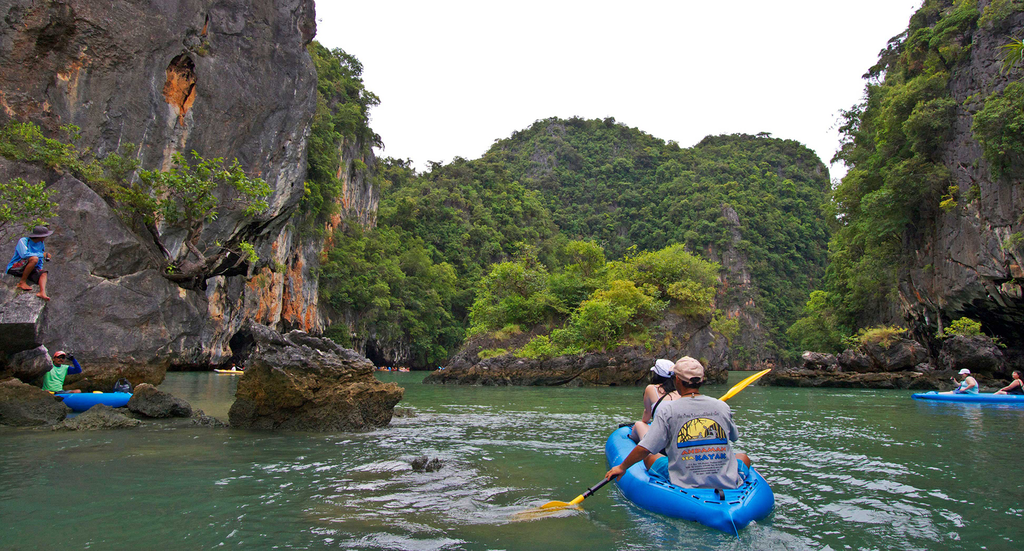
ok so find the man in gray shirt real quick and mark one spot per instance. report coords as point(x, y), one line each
point(695, 432)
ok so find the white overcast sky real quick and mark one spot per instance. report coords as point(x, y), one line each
point(453, 76)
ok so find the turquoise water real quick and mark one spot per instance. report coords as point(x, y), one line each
point(850, 469)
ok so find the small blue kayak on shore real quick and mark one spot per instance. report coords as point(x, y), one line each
point(81, 401)
point(729, 512)
point(973, 398)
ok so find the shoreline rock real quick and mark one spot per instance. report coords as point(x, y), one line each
point(98, 417)
point(24, 405)
point(299, 382)
point(146, 400)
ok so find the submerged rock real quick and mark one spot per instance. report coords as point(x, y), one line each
point(148, 401)
point(299, 382)
point(201, 419)
point(423, 464)
point(24, 405)
point(99, 417)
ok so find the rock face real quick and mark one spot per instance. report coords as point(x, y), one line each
point(891, 380)
point(961, 263)
point(99, 417)
point(819, 361)
point(299, 382)
point(28, 365)
point(626, 366)
point(24, 405)
point(979, 354)
point(146, 400)
point(21, 315)
point(226, 79)
point(902, 355)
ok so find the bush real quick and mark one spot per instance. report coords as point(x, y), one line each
point(491, 353)
point(24, 204)
point(963, 326)
point(882, 335)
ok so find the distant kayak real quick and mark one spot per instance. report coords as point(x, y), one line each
point(230, 371)
point(728, 512)
point(81, 401)
point(975, 398)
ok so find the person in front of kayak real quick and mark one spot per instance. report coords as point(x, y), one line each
point(53, 381)
point(661, 389)
point(967, 386)
point(697, 432)
point(1015, 387)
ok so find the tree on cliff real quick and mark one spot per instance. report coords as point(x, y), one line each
point(23, 205)
point(183, 200)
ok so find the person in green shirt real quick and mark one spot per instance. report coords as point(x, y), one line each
point(53, 381)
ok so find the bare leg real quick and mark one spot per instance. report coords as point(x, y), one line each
point(42, 287)
point(639, 430)
point(744, 458)
point(27, 269)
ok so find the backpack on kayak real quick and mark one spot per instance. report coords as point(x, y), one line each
point(122, 385)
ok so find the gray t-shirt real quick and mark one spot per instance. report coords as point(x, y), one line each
point(695, 432)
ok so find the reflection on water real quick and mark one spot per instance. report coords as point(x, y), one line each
point(850, 469)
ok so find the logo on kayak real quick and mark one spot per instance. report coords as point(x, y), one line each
point(700, 432)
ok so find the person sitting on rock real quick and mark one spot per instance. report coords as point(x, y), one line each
point(28, 259)
point(697, 431)
point(662, 388)
point(1015, 387)
point(53, 381)
point(967, 386)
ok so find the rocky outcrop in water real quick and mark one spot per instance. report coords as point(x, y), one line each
point(23, 405)
point(625, 366)
point(977, 353)
point(147, 401)
point(888, 380)
point(230, 80)
point(99, 417)
point(299, 382)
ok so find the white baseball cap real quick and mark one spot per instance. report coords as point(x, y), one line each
point(965, 371)
point(663, 368)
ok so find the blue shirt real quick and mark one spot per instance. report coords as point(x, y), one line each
point(26, 248)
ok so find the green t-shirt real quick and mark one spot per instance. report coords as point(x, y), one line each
point(54, 380)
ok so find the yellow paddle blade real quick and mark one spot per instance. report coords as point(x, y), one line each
point(743, 384)
point(557, 504)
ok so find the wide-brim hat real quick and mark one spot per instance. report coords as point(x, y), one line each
point(41, 231)
point(689, 369)
point(663, 368)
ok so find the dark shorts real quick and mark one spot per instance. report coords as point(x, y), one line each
point(33, 276)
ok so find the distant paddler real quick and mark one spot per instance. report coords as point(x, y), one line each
point(966, 386)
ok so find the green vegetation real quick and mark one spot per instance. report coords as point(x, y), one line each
point(882, 335)
point(342, 119)
point(23, 205)
point(184, 197)
point(628, 296)
point(896, 184)
point(963, 326)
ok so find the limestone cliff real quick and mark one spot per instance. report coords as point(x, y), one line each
point(229, 79)
point(961, 262)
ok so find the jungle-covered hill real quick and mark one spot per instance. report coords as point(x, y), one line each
point(402, 291)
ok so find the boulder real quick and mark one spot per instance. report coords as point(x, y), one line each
point(902, 355)
point(28, 365)
point(146, 400)
point(24, 405)
point(298, 382)
point(855, 361)
point(820, 361)
point(977, 353)
point(99, 417)
point(21, 316)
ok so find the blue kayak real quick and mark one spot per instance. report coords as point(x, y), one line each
point(754, 500)
point(973, 398)
point(79, 402)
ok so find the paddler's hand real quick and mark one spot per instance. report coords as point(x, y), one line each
point(615, 472)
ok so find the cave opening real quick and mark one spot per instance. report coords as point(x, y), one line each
point(375, 354)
